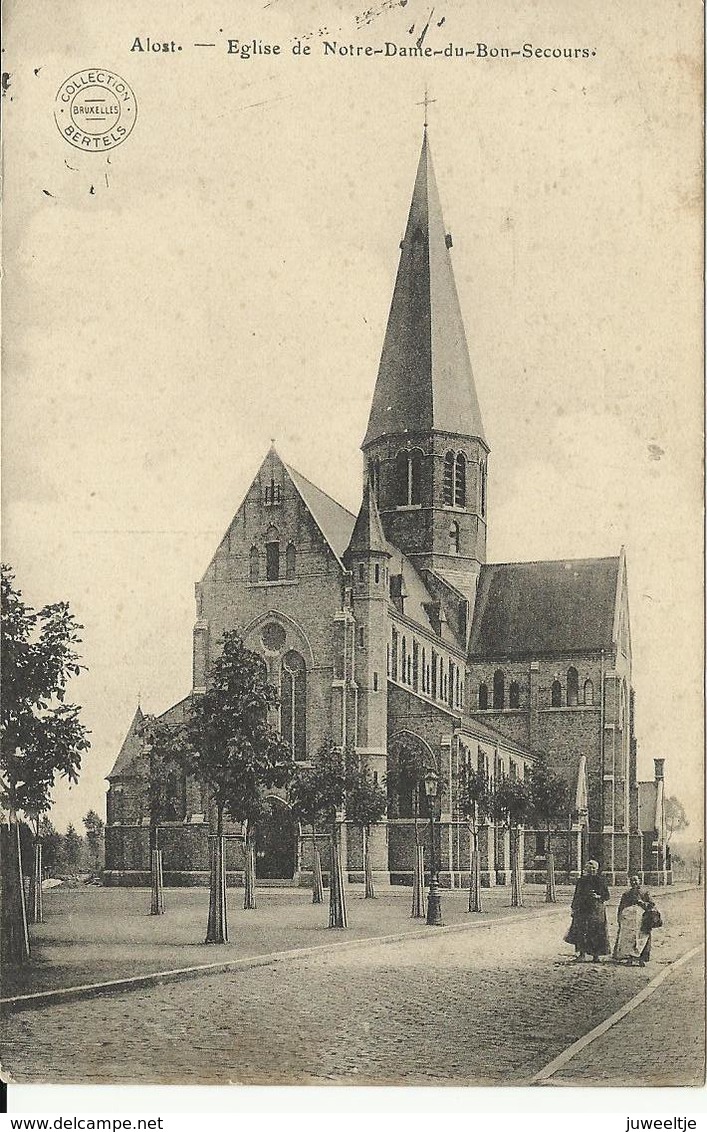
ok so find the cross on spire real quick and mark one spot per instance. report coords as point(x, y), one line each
point(426, 103)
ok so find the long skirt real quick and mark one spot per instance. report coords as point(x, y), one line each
point(589, 932)
point(633, 941)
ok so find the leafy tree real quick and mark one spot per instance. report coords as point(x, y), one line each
point(550, 797)
point(475, 803)
point(73, 848)
point(258, 812)
point(305, 798)
point(41, 735)
point(366, 803)
point(409, 770)
point(512, 803)
point(329, 780)
point(52, 846)
point(167, 757)
point(94, 827)
point(675, 817)
point(236, 752)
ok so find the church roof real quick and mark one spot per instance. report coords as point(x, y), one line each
point(531, 608)
point(334, 521)
point(368, 534)
point(425, 379)
point(131, 749)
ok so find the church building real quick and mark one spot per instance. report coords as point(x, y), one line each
point(389, 632)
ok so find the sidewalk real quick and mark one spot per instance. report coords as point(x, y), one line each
point(93, 934)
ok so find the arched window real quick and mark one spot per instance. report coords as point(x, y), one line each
point(401, 479)
point(556, 694)
point(572, 687)
point(514, 695)
point(454, 538)
point(254, 564)
point(448, 488)
point(290, 561)
point(460, 481)
point(482, 486)
point(588, 692)
point(483, 697)
point(361, 572)
point(272, 555)
point(377, 572)
point(394, 655)
point(415, 474)
point(293, 703)
point(499, 689)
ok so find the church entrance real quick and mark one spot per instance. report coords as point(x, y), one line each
point(276, 844)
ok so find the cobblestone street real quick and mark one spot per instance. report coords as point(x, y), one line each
point(491, 1005)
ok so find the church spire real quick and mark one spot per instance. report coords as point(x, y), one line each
point(425, 381)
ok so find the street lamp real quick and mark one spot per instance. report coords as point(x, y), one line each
point(434, 908)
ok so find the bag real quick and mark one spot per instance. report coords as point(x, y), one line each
point(652, 919)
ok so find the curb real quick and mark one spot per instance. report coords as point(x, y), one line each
point(17, 1003)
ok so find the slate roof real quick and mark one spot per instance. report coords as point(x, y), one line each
point(368, 532)
point(130, 751)
point(425, 379)
point(334, 521)
point(534, 608)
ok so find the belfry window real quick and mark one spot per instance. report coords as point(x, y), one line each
point(460, 481)
point(374, 476)
point(514, 695)
point(499, 690)
point(572, 687)
point(483, 697)
point(408, 478)
point(448, 485)
point(293, 704)
point(556, 694)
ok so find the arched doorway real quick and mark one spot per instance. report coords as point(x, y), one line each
point(276, 843)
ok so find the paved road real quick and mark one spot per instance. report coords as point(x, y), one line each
point(486, 1006)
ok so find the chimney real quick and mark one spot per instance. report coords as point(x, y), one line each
point(659, 769)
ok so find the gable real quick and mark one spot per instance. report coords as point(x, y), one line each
point(533, 608)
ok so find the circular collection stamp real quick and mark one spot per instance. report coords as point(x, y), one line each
point(95, 109)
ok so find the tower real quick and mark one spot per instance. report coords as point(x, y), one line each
point(425, 453)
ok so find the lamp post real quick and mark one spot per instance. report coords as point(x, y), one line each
point(434, 908)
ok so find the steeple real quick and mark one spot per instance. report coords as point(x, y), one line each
point(425, 380)
point(367, 537)
point(425, 453)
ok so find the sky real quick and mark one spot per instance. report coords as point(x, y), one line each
point(223, 277)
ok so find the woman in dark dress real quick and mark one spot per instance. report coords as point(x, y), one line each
point(589, 931)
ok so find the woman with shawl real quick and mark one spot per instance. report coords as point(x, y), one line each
point(589, 931)
point(633, 943)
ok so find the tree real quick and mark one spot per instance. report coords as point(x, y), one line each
point(167, 755)
point(675, 817)
point(52, 846)
point(329, 779)
point(258, 811)
point(305, 798)
point(410, 770)
point(73, 848)
point(511, 805)
point(94, 827)
point(550, 798)
point(475, 803)
point(366, 803)
point(41, 735)
point(235, 751)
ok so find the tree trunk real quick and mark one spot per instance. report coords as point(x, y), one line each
point(516, 885)
point(249, 871)
point(14, 935)
point(369, 890)
point(35, 911)
point(157, 878)
point(474, 872)
point(550, 889)
point(217, 928)
point(337, 891)
point(418, 884)
point(317, 880)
